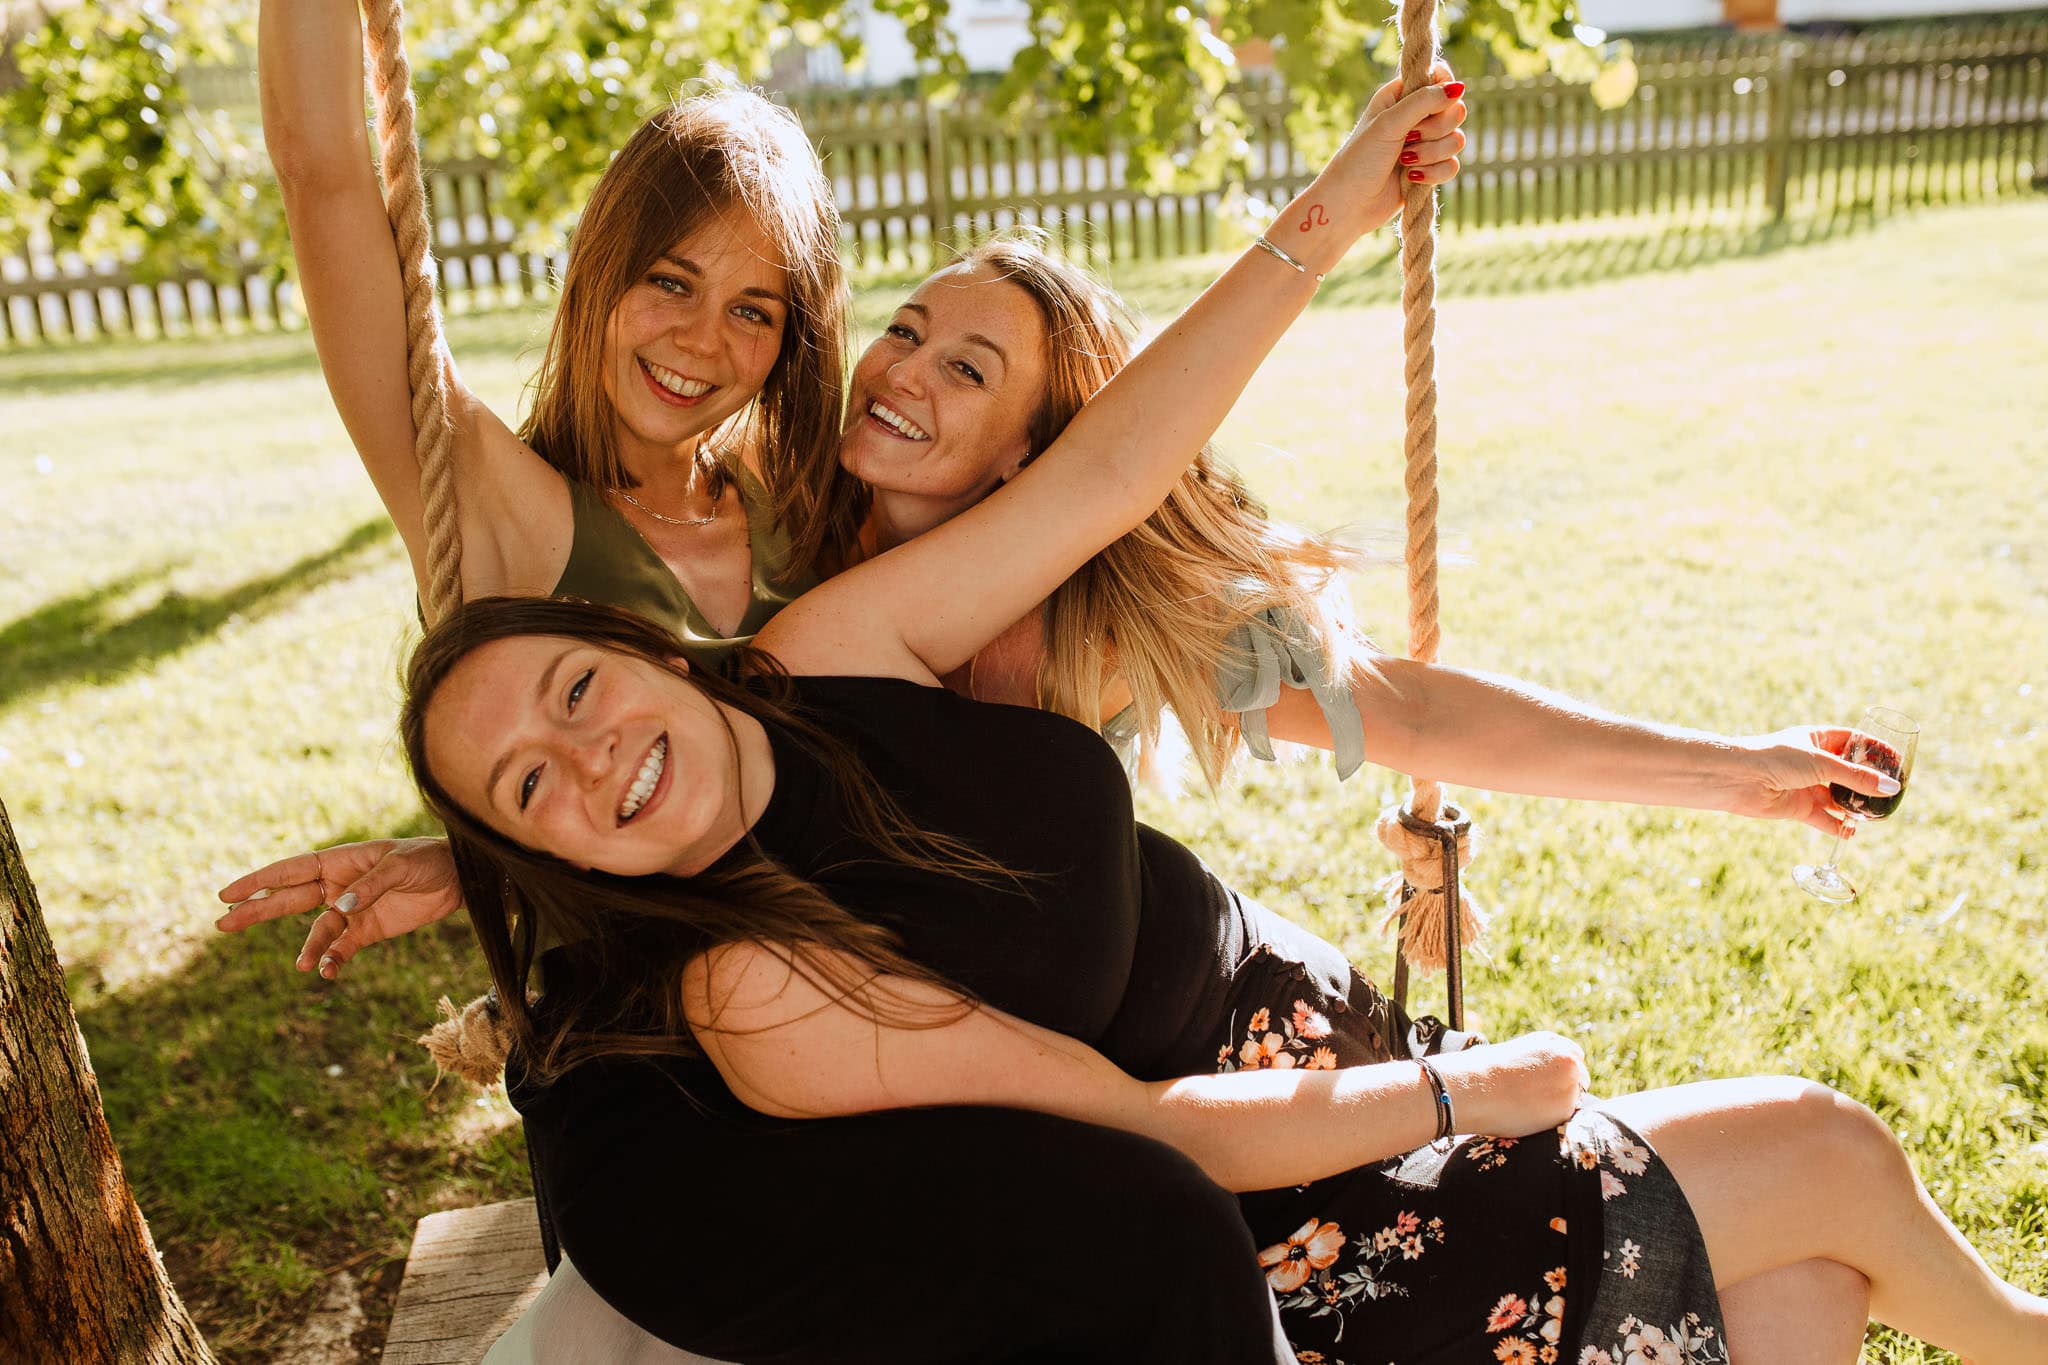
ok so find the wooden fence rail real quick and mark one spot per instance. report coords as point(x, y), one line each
point(1753, 127)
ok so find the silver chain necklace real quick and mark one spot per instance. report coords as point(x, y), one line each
point(717, 498)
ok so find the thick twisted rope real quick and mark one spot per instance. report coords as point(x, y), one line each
point(1418, 897)
point(405, 201)
point(471, 1042)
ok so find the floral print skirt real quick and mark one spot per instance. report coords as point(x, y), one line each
point(1574, 1245)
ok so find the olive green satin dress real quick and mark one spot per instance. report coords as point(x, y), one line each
point(611, 562)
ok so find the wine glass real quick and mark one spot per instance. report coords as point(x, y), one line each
point(1885, 740)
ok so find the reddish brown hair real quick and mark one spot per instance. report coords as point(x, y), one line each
point(692, 162)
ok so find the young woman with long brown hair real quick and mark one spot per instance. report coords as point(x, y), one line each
point(830, 891)
point(677, 455)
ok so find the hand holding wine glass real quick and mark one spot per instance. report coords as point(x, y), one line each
point(1885, 740)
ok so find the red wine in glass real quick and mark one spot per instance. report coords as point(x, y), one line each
point(1885, 740)
point(1871, 753)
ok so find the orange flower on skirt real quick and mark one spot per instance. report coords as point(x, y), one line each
point(1271, 1051)
point(1314, 1246)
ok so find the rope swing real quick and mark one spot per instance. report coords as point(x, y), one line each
point(1432, 840)
point(426, 352)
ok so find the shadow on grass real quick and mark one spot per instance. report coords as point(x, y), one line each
point(73, 638)
point(277, 1128)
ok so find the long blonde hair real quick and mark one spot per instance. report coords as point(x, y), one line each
point(1158, 607)
point(699, 157)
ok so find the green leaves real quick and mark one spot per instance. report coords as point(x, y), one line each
point(107, 154)
point(109, 150)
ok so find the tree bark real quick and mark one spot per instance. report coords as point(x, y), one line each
point(79, 1277)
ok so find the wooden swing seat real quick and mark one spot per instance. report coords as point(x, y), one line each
point(470, 1275)
point(477, 1292)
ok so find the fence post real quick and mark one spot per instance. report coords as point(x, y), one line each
point(938, 183)
point(1778, 112)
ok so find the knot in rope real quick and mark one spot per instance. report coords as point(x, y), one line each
point(471, 1042)
point(1416, 894)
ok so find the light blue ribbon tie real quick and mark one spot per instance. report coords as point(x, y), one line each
point(1279, 648)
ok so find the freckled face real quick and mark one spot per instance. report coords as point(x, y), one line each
point(940, 406)
point(696, 337)
point(596, 757)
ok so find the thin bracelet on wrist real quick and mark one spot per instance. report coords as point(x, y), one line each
point(1266, 246)
point(1445, 1122)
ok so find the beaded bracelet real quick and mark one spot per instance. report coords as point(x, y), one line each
point(1444, 1121)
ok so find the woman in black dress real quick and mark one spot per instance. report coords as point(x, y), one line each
point(803, 956)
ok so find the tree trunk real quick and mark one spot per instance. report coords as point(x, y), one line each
point(79, 1278)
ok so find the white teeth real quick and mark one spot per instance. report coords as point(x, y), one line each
point(898, 421)
point(643, 785)
point(676, 384)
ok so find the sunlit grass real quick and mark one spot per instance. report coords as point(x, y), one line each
point(1718, 477)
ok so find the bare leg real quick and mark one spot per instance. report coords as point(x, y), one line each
point(1812, 1313)
point(1780, 1171)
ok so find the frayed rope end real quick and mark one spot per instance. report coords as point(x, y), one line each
point(471, 1042)
point(1417, 891)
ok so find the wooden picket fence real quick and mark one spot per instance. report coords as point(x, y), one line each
point(1747, 128)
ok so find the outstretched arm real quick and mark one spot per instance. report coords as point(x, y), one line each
point(792, 1050)
point(932, 603)
point(1479, 730)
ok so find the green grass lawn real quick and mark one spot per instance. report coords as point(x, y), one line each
point(1723, 477)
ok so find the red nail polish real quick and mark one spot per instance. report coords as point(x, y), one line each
point(1414, 135)
point(1410, 158)
point(1453, 89)
point(1415, 175)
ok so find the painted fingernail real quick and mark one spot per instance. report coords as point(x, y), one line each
point(1414, 135)
point(1415, 175)
point(1410, 158)
point(328, 967)
point(345, 902)
point(1453, 89)
point(1887, 786)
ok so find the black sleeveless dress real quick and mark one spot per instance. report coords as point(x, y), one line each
point(1537, 1250)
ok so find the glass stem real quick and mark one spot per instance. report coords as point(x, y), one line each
point(1835, 853)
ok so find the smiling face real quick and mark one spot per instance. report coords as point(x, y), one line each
point(597, 757)
point(694, 338)
point(941, 405)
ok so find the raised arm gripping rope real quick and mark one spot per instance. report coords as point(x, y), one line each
point(1431, 840)
point(426, 354)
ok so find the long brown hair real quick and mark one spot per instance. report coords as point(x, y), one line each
point(633, 935)
point(1158, 606)
point(700, 157)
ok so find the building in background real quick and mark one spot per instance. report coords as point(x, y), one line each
point(991, 32)
point(1650, 16)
